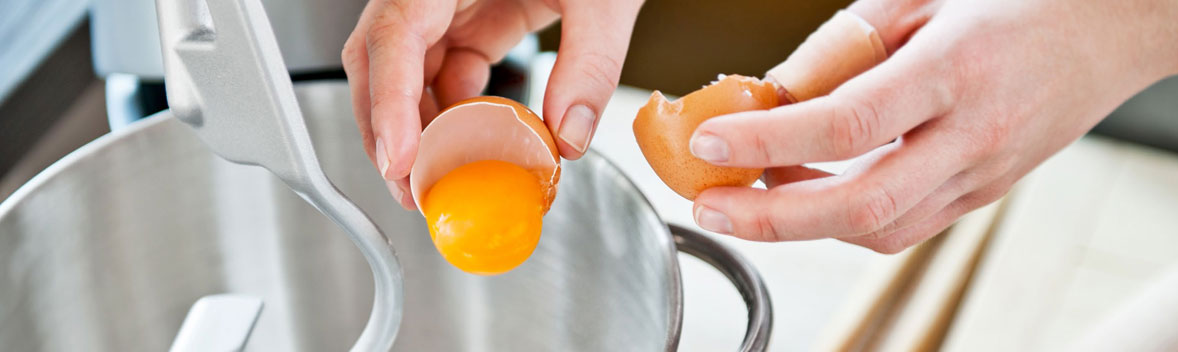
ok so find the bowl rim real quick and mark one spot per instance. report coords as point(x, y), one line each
point(159, 119)
point(671, 256)
point(95, 146)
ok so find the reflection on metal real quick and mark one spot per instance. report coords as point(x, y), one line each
point(218, 323)
point(108, 249)
point(225, 78)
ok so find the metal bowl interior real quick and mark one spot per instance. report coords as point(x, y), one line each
point(108, 249)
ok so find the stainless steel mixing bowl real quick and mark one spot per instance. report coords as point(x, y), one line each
point(108, 248)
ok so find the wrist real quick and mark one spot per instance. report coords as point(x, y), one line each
point(1144, 33)
point(1163, 36)
point(1172, 29)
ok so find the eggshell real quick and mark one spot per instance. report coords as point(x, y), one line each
point(485, 128)
point(663, 130)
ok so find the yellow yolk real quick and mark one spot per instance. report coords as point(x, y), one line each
point(485, 216)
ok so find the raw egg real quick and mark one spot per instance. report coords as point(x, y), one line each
point(485, 175)
point(663, 130)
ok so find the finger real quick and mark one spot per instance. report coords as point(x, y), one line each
point(428, 107)
point(406, 197)
point(435, 56)
point(399, 189)
point(846, 45)
point(356, 68)
point(355, 61)
point(866, 112)
point(934, 203)
point(490, 30)
point(931, 226)
point(493, 28)
point(594, 39)
point(898, 241)
point(777, 176)
point(895, 20)
point(871, 195)
point(988, 174)
point(463, 75)
point(397, 44)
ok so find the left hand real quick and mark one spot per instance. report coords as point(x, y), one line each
point(406, 59)
point(976, 94)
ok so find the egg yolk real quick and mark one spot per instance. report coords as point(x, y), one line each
point(485, 217)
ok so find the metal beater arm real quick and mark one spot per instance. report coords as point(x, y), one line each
point(225, 78)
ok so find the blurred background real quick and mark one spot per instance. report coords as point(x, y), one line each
point(1088, 235)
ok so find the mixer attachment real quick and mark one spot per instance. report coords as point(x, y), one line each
point(226, 79)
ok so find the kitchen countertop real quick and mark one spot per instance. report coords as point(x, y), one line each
point(1085, 233)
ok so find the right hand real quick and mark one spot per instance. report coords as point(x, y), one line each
point(408, 58)
point(976, 95)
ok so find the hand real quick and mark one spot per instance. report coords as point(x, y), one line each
point(408, 58)
point(976, 94)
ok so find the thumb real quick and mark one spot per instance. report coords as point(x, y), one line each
point(593, 41)
point(848, 44)
point(896, 20)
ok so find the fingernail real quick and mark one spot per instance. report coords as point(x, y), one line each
point(710, 148)
point(577, 127)
point(382, 158)
point(712, 220)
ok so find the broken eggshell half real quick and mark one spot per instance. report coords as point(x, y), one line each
point(663, 130)
point(485, 128)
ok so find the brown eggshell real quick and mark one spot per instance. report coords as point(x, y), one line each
point(663, 130)
point(485, 128)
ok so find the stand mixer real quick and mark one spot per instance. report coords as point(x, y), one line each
point(107, 249)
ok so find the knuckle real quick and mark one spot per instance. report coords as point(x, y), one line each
point(768, 228)
point(352, 51)
point(388, 29)
point(976, 153)
point(883, 232)
point(763, 154)
point(996, 133)
point(389, 100)
point(378, 36)
point(986, 195)
point(989, 140)
point(766, 223)
point(877, 208)
point(1003, 164)
point(601, 70)
point(853, 126)
point(968, 60)
point(993, 167)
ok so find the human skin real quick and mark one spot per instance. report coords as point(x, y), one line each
point(407, 58)
point(974, 96)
